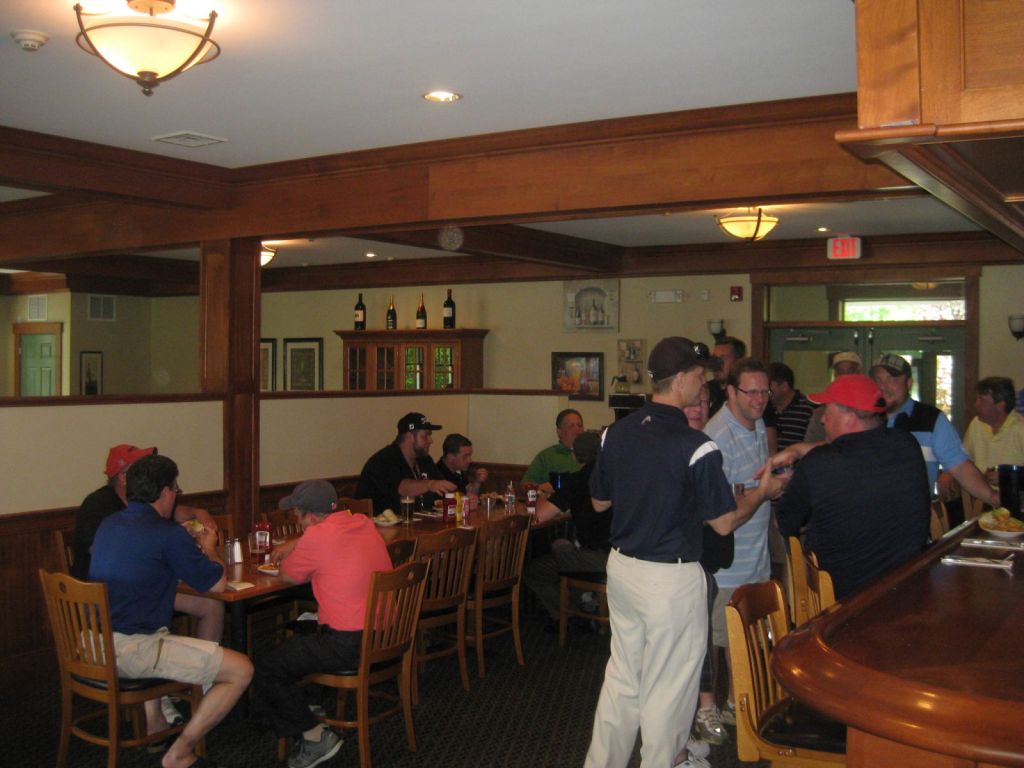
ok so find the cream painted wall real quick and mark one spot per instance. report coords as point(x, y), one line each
point(174, 345)
point(325, 437)
point(525, 324)
point(54, 456)
point(123, 341)
point(799, 302)
point(1002, 294)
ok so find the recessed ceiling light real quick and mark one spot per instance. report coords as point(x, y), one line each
point(442, 97)
point(823, 229)
point(371, 255)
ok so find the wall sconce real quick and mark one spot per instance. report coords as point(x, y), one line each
point(716, 328)
point(1016, 323)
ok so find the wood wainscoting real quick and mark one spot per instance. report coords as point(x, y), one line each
point(26, 545)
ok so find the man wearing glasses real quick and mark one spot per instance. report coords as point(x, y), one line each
point(141, 554)
point(739, 431)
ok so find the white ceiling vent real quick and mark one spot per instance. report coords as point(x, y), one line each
point(189, 139)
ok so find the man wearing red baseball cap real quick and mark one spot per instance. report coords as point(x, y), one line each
point(862, 499)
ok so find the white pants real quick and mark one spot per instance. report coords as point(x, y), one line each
point(659, 621)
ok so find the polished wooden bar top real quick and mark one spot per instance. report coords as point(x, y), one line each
point(931, 656)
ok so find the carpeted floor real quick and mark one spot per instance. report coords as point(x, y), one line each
point(539, 716)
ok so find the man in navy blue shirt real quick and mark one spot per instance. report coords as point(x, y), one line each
point(141, 554)
point(663, 482)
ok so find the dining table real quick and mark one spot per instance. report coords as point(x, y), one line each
point(926, 666)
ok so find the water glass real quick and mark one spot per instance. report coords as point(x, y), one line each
point(489, 503)
point(408, 502)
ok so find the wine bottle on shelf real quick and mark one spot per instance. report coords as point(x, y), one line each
point(449, 311)
point(392, 316)
point(360, 314)
point(421, 314)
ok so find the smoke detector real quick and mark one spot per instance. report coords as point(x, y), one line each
point(30, 39)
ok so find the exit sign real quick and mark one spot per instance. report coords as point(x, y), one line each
point(843, 248)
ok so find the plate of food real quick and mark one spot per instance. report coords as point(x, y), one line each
point(387, 518)
point(268, 569)
point(999, 523)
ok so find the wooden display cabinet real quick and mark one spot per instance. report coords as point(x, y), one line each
point(389, 361)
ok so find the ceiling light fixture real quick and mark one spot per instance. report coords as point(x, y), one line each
point(267, 254)
point(442, 97)
point(371, 255)
point(752, 224)
point(143, 48)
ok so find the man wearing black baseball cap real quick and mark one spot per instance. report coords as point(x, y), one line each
point(403, 467)
point(663, 482)
point(863, 497)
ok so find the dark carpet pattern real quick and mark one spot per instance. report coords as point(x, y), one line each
point(539, 716)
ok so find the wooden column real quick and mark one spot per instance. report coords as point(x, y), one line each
point(229, 290)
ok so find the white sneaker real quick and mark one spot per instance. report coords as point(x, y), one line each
point(698, 747)
point(694, 762)
point(171, 713)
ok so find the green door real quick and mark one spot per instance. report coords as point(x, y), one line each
point(38, 364)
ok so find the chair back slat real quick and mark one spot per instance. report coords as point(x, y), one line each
point(939, 520)
point(392, 611)
point(502, 549)
point(449, 554)
point(64, 548)
point(821, 593)
point(756, 620)
point(796, 582)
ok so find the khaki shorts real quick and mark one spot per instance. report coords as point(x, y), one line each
point(171, 657)
point(719, 634)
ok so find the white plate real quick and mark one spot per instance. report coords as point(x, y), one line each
point(385, 523)
point(268, 571)
point(984, 521)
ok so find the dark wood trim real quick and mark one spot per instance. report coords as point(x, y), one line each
point(21, 402)
point(23, 283)
point(42, 161)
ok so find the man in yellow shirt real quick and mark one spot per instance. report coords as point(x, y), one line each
point(996, 434)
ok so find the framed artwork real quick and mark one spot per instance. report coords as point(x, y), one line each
point(578, 374)
point(268, 365)
point(591, 305)
point(304, 365)
point(90, 372)
point(632, 360)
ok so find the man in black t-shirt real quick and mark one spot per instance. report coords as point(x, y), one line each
point(455, 465)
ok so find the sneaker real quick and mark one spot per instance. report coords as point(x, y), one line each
point(698, 747)
point(695, 762)
point(708, 726)
point(317, 710)
point(728, 714)
point(306, 754)
point(171, 713)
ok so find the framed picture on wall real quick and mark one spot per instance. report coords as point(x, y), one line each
point(268, 365)
point(578, 374)
point(304, 365)
point(591, 305)
point(90, 373)
point(632, 360)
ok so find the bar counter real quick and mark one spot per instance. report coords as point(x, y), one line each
point(926, 667)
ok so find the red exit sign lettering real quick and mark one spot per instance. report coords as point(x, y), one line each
point(844, 248)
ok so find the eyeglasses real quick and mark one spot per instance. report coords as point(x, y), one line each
point(752, 393)
point(177, 489)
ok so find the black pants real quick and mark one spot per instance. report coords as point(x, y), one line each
point(279, 672)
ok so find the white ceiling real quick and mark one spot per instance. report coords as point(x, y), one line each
point(315, 77)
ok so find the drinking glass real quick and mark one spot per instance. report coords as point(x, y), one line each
point(489, 504)
point(407, 504)
point(257, 549)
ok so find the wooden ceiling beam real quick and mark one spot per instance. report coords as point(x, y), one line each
point(43, 162)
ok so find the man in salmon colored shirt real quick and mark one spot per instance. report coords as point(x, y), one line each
point(337, 553)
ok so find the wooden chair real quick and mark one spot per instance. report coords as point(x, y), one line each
point(64, 546)
point(940, 519)
point(282, 524)
point(769, 724)
point(796, 582)
point(821, 593)
point(225, 528)
point(401, 551)
point(357, 506)
point(501, 550)
point(582, 582)
point(79, 616)
point(449, 555)
point(392, 612)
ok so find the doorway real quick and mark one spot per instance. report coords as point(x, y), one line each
point(936, 352)
point(37, 356)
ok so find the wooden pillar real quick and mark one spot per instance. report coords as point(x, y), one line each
point(229, 326)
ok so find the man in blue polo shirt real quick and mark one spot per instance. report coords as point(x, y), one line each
point(141, 554)
point(663, 482)
point(940, 444)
